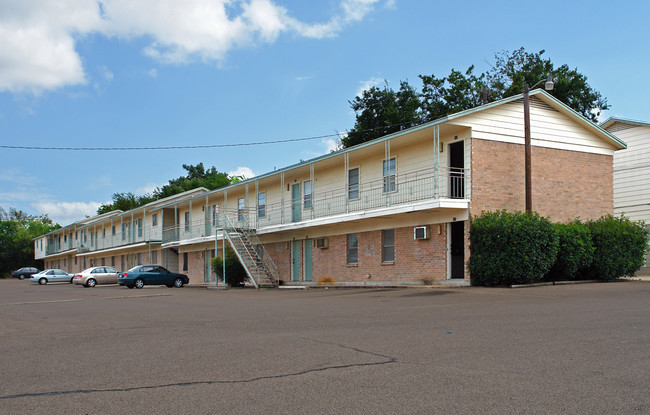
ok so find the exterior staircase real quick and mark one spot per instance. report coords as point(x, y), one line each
point(258, 264)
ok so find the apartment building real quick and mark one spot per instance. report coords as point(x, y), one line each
point(632, 172)
point(391, 211)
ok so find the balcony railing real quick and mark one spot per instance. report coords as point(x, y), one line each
point(447, 183)
point(131, 235)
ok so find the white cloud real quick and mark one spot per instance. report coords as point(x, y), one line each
point(39, 38)
point(331, 145)
point(106, 73)
point(153, 73)
point(147, 188)
point(374, 81)
point(246, 172)
point(17, 177)
point(65, 213)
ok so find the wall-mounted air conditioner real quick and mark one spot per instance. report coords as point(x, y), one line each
point(421, 232)
point(322, 243)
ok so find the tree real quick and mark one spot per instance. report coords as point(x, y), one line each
point(17, 231)
point(383, 111)
point(235, 272)
point(197, 176)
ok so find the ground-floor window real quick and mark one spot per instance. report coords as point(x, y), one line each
point(103, 261)
point(112, 261)
point(353, 248)
point(154, 257)
point(139, 258)
point(388, 245)
point(184, 261)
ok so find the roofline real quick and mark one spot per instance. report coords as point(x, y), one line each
point(612, 120)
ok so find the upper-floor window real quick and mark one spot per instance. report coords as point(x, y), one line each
point(353, 183)
point(140, 228)
point(91, 238)
point(307, 194)
point(154, 219)
point(76, 235)
point(240, 208)
point(113, 230)
point(65, 238)
point(261, 204)
point(123, 231)
point(353, 248)
point(215, 215)
point(388, 245)
point(187, 221)
point(390, 168)
point(103, 232)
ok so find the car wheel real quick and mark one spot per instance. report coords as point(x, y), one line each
point(91, 283)
point(42, 281)
point(139, 283)
point(21, 277)
point(178, 283)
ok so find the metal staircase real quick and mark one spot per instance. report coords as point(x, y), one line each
point(258, 264)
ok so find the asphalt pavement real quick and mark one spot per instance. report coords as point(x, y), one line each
point(572, 349)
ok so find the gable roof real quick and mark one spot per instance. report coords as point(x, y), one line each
point(614, 120)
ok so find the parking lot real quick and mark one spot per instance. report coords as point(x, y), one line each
point(554, 349)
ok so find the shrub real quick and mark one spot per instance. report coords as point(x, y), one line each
point(510, 248)
point(576, 250)
point(235, 272)
point(620, 246)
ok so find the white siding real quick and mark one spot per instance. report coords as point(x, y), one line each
point(548, 127)
point(632, 171)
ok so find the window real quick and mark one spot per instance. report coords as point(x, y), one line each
point(41, 244)
point(215, 215)
point(388, 245)
point(65, 238)
point(76, 235)
point(140, 228)
point(184, 261)
point(307, 192)
point(353, 248)
point(112, 261)
point(390, 184)
point(139, 258)
point(154, 219)
point(65, 262)
point(103, 261)
point(187, 221)
point(261, 204)
point(113, 230)
point(103, 233)
point(123, 232)
point(353, 183)
point(154, 257)
point(240, 209)
point(91, 238)
point(75, 260)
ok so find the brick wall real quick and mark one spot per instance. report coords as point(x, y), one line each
point(566, 184)
point(195, 266)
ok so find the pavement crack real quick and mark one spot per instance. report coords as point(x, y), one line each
point(388, 360)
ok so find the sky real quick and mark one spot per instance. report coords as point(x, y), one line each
point(155, 73)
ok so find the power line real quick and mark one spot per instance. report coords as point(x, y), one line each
point(190, 147)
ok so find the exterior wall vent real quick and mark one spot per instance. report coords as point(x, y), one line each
point(421, 232)
point(322, 243)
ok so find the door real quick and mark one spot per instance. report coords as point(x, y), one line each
point(295, 260)
point(295, 202)
point(307, 260)
point(457, 170)
point(206, 278)
point(457, 249)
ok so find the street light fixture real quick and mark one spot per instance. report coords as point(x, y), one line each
point(548, 85)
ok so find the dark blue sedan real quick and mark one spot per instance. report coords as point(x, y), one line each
point(143, 275)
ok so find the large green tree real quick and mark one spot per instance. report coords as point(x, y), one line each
point(383, 111)
point(17, 231)
point(197, 176)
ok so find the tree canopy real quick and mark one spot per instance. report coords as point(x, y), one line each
point(197, 176)
point(17, 230)
point(384, 111)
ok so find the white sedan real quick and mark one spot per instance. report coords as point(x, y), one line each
point(51, 275)
point(96, 275)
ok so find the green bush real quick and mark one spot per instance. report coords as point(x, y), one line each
point(576, 250)
point(620, 247)
point(235, 272)
point(510, 248)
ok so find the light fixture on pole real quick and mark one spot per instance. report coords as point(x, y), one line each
point(548, 85)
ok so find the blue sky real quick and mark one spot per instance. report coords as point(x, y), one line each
point(125, 73)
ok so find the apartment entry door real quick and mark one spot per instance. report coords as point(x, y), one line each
point(295, 260)
point(457, 249)
point(457, 170)
point(206, 274)
point(295, 202)
point(307, 261)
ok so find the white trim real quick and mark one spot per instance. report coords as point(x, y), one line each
point(59, 253)
point(119, 248)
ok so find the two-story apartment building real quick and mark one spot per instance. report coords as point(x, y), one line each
point(632, 172)
point(394, 210)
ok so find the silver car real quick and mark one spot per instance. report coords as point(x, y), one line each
point(96, 275)
point(51, 275)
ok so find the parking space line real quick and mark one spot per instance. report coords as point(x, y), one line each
point(44, 302)
point(136, 296)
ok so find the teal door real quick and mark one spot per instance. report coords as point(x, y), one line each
point(295, 202)
point(307, 261)
point(206, 277)
point(295, 260)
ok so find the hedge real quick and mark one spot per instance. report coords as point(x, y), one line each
point(576, 250)
point(235, 272)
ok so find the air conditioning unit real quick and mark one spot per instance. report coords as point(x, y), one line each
point(322, 243)
point(421, 232)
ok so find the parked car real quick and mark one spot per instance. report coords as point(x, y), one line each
point(143, 275)
point(24, 272)
point(51, 275)
point(96, 275)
